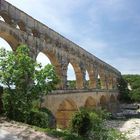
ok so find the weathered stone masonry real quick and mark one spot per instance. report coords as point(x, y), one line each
point(20, 28)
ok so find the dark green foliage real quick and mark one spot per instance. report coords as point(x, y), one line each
point(51, 118)
point(81, 123)
point(123, 90)
point(99, 86)
point(134, 82)
point(38, 118)
point(91, 123)
point(71, 84)
point(87, 84)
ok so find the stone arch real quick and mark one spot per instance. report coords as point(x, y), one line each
point(78, 74)
point(71, 77)
point(10, 39)
point(87, 79)
point(90, 103)
point(64, 113)
point(21, 25)
point(103, 102)
point(6, 17)
point(55, 62)
point(35, 33)
point(112, 106)
point(102, 75)
point(110, 81)
point(112, 99)
point(99, 82)
point(92, 77)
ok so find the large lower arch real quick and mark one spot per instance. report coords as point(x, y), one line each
point(90, 103)
point(112, 104)
point(64, 113)
point(112, 99)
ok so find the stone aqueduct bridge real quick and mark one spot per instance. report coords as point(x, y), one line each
point(19, 28)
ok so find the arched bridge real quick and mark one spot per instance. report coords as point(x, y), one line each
point(18, 27)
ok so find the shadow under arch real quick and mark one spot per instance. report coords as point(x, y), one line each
point(103, 102)
point(90, 103)
point(112, 99)
point(64, 113)
point(78, 74)
point(113, 104)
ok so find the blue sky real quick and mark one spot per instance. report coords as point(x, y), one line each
point(109, 29)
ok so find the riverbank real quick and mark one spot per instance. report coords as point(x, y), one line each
point(11, 130)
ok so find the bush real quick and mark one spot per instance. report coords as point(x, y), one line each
point(38, 118)
point(91, 123)
point(51, 118)
point(81, 123)
point(19, 111)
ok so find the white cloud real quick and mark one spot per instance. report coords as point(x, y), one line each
point(94, 46)
point(126, 65)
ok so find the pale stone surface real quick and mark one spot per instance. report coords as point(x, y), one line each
point(130, 127)
point(18, 131)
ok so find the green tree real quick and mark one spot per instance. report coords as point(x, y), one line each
point(134, 86)
point(123, 90)
point(24, 81)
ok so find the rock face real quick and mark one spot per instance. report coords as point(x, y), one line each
point(127, 111)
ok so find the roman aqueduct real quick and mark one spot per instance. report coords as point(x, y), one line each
point(18, 27)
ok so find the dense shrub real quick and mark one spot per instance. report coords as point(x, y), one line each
point(51, 118)
point(134, 86)
point(14, 106)
point(38, 118)
point(123, 90)
point(91, 123)
point(81, 123)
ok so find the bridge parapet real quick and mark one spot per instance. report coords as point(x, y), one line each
point(57, 92)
